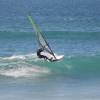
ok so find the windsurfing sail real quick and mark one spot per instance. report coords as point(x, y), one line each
point(40, 37)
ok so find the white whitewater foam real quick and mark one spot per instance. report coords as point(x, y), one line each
point(22, 57)
point(24, 72)
point(19, 66)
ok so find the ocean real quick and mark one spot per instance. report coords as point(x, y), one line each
point(72, 29)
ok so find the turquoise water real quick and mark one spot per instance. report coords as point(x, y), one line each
point(71, 28)
point(24, 76)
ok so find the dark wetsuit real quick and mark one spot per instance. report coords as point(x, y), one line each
point(39, 54)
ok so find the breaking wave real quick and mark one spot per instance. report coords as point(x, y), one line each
point(30, 66)
point(19, 66)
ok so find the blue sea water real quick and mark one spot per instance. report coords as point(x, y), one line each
point(71, 28)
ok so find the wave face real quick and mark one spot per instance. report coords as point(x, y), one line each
point(31, 66)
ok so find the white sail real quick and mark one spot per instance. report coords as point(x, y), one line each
point(40, 37)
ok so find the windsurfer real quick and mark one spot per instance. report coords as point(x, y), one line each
point(40, 55)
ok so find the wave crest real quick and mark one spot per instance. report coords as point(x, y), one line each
point(20, 66)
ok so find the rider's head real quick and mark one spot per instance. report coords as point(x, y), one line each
point(41, 49)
